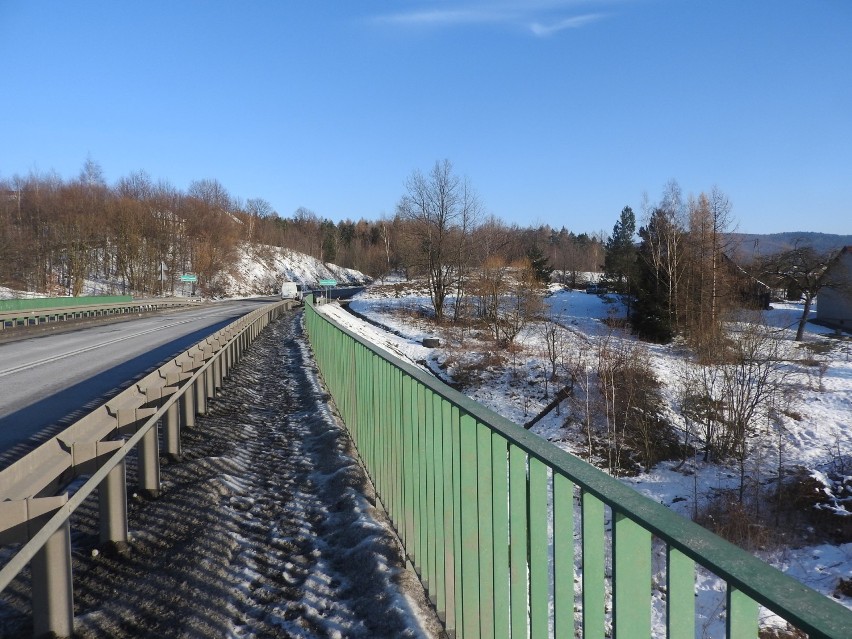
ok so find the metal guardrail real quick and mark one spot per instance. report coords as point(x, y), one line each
point(37, 303)
point(35, 512)
point(486, 512)
point(36, 316)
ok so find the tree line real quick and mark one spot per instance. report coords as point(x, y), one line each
point(687, 275)
point(142, 235)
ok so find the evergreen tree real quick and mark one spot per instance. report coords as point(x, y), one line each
point(620, 256)
point(653, 315)
point(539, 265)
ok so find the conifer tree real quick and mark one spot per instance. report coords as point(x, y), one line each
point(620, 257)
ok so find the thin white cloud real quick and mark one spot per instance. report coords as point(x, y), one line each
point(540, 17)
point(444, 17)
point(545, 30)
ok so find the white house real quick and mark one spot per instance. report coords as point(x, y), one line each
point(834, 302)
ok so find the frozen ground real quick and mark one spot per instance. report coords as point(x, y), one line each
point(820, 433)
point(266, 529)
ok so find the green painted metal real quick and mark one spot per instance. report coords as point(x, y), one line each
point(500, 515)
point(594, 566)
point(563, 557)
point(430, 518)
point(450, 466)
point(741, 620)
point(485, 528)
point(539, 541)
point(469, 528)
point(439, 513)
point(680, 595)
point(631, 579)
point(518, 540)
point(41, 303)
point(455, 428)
point(422, 505)
point(408, 408)
point(448, 610)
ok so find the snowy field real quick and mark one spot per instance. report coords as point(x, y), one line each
point(820, 433)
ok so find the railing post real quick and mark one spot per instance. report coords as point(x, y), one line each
point(201, 394)
point(172, 438)
point(112, 498)
point(53, 595)
point(210, 382)
point(226, 361)
point(187, 406)
point(149, 463)
point(218, 374)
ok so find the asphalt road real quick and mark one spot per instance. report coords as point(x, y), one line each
point(48, 381)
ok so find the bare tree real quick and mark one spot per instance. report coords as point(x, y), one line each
point(555, 340)
point(707, 290)
point(436, 206)
point(803, 270)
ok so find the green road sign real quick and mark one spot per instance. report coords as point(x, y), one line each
point(328, 282)
point(188, 277)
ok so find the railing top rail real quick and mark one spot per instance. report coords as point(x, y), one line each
point(801, 605)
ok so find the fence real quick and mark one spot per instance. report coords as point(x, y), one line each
point(39, 303)
point(27, 312)
point(34, 511)
point(486, 513)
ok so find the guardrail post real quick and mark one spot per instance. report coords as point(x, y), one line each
point(187, 406)
point(229, 359)
point(201, 395)
point(217, 371)
point(149, 463)
point(210, 382)
point(112, 498)
point(172, 438)
point(53, 595)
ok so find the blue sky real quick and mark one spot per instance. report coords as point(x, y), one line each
point(559, 112)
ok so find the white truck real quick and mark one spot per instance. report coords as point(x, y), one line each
point(291, 291)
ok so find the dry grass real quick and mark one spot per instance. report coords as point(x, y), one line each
point(735, 521)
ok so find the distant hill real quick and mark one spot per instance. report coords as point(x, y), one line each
point(751, 245)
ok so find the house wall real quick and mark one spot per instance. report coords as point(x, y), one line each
point(834, 305)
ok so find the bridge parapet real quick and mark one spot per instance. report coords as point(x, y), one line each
point(500, 525)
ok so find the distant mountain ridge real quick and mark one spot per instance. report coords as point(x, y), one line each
point(751, 245)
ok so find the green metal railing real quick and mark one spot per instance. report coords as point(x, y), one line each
point(486, 512)
point(39, 303)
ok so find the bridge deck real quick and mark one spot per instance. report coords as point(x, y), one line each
point(264, 529)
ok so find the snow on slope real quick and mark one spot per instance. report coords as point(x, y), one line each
point(260, 271)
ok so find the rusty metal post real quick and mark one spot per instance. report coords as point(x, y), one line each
point(52, 589)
